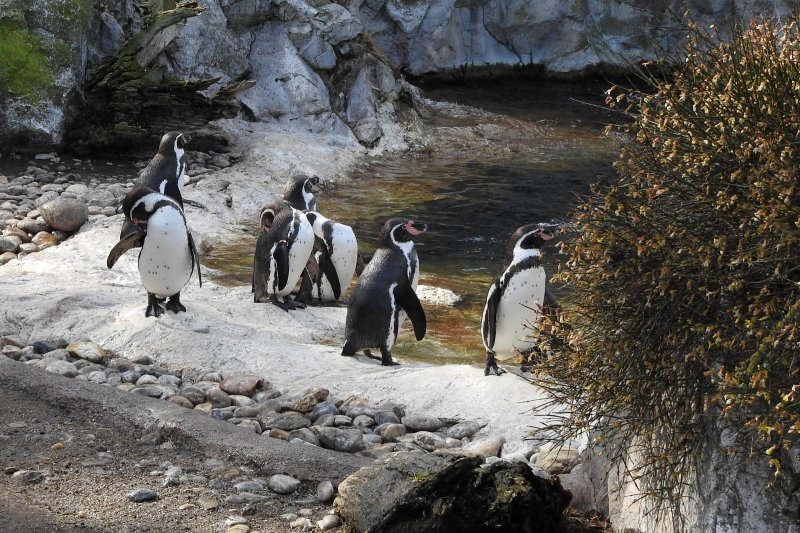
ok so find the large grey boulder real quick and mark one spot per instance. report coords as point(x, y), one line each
point(418, 491)
point(65, 214)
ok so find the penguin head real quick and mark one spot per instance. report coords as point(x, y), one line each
point(528, 237)
point(141, 202)
point(269, 212)
point(401, 230)
point(316, 220)
point(299, 192)
point(173, 145)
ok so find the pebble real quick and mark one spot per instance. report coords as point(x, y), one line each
point(240, 385)
point(207, 503)
point(302, 523)
point(238, 528)
point(235, 520)
point(283, 484)
point(325, 491)
point(249, 486)
point(329, 521)
point(63, 368)
point(287, 421)
point(28, 476)
point(180, 400)
point(422, 423)
point(341, 440)
point(218, 398)
point(65, 214)
point(44, 240)
point(142, 495)
point(87, 350)
point(5, 257)
point(463, 429)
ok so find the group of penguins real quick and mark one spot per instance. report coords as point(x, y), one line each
point(299, 246)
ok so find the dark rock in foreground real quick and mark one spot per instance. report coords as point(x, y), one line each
point(415, 491)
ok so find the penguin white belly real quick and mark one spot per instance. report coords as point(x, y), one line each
point(298, 254)
point(518, 312)
point(344, 258)
point(165, 262)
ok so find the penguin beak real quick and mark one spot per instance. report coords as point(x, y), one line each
point(415, 228)
point(544, 234)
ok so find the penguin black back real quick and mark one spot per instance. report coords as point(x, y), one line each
point(164, 173)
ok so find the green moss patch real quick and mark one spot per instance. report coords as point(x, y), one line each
point(24, 68)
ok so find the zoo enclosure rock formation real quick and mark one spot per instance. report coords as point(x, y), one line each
point(131, 69)
point(558, 37)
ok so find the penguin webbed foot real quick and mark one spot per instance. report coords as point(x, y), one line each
point(491, 366)
point(348, 350)
point(386, 359)
point(153, 306)
point(174, 304)
point(287, 304)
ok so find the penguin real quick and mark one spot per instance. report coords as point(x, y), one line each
point(385, 293)
point(516, 298)
point(333, 259)
point(282, 249)
point(166, 171)
point(168, 256)
point(299, 192)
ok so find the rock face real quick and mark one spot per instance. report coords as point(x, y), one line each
point(140, 71)
point(559, 37)
point(427, 492)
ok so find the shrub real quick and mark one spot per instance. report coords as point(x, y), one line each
point(684, 273)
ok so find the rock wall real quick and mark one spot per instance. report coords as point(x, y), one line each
point(559, 36)
point(137, 68)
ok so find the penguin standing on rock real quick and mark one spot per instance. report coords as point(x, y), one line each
point(385, 293)
point(168, 256)
point(166, 172)
point(516, 299)
point(333, 261)
point(282, 249)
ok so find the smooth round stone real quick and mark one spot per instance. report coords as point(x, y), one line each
point(180, 400)
point(341, 440)
point(31, 226)
point(386, 417)
point(95, 210)
point(363, 421)
point(283, 484)
point(102, 198)
point(130, 376)
point(47, 196)
point(211, 376)
point(65, 214)
point(87, 350)
point(147, 390)
point(252, 425)
point(204, 407)
point(17, 232)
point(247, 411)
point(241, 401)
point(422, 423)
point(147, 379)
point(218, 398)
point(485, 447)
point(325, 421)
point(28, 248)
point(276, 433)
point(98, 376)
point(10, 243)
point(78, 189)
point(238, 528)
point(240, 385)
point(44, 240)
point(249, 486)
point(193, 394)
point(323, 408)
point(142, 495)
point(12, 352)
point(304, 434)
point(59, 354)
point(142, 360)
point(168, 379)
point(5, 257)
point(392, 431)
point(463, 429)
point(62, 368)
point(287, 421)
point(342, 420)
point(308, 400)
point(325, 491)
point(370, 439)
point(222, 413)
point(329, 521)
point(121, 364)
point(429, 441)
point(266, 395)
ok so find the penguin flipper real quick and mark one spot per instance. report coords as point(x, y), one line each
point(195, 257)
point(327, 267)
point(408, 301)
point(281, 255)
point(134, 239)
point(489, 325)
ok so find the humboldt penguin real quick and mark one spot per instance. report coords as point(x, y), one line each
point(282, 249)
point(166, 171)
point(168, 256)
point(299, 192)
point(385, 293)
point(333, 261)
point(516, 299)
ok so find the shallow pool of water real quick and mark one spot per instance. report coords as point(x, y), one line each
point(471, 203)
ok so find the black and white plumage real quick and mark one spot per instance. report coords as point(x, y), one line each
point(282, 249)
point(166, 171)
point(385, 293)
point(299, 192)
point(168, 256)
point(333, 260)
point(515, 300)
